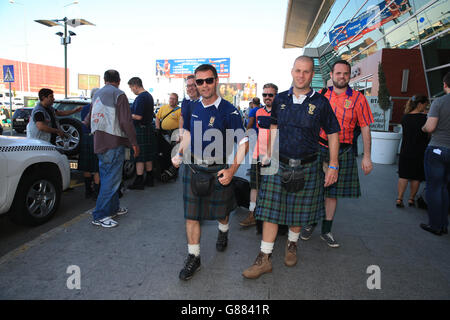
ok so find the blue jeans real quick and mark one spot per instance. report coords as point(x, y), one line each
point(437, 174)
point(110, 169)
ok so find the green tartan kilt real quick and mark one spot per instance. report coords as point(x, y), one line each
point(347, 185)
point(88, 161)
point(276, 205)
point(146, 139)
point(217, 206)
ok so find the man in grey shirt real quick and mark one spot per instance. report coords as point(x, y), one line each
point(437, 162)
point(110, 122)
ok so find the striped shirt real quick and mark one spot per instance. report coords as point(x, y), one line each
point(351, 109)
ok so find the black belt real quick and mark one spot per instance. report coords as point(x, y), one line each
point(296, 162)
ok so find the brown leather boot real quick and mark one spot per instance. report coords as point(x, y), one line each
point(290, 254)
point(263, 264)
point(249, 221)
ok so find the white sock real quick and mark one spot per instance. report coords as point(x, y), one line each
point(252, 206)
point(267, 247)
point(224, 227)
point(292, 236)
point(194, 249)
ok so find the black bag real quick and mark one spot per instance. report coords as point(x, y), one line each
point(293, 179)
point(241, 191)
point(202, 183)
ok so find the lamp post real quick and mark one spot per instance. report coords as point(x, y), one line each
point(65, 40)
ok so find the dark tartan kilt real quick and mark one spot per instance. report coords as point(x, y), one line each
point(146, 139)
point(255, 176)
point(215, 207)
point(88, 161)
point(347, 185)
point(276, 205)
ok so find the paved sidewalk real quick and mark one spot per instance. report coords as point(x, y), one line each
point(142, 257)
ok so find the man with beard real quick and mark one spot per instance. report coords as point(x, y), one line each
point(206, 177)
point(351, 109)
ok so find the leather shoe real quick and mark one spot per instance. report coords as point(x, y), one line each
point(428, 228)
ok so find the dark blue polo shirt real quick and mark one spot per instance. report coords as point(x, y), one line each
point(84, 112)
point(186, 106)
point(252, 114)
point(223, 117)
point(299, 124)
point(143, 106)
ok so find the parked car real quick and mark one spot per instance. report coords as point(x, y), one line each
point(33, 175)
point(20, 119)
point(71, 125)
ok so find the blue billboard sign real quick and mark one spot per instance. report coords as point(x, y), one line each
point(180, 68)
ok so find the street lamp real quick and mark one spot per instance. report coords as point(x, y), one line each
point(65, 39)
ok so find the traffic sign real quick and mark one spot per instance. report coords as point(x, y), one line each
point(8, 73)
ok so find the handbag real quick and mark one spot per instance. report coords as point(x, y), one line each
point(202, 183)
point(292, 179)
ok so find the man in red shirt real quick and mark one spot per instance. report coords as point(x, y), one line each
point(351, 109)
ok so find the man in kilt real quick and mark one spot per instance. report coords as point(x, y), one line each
point(351, 109)
point(142, 114)
point(88, 161)
point(294, 195)
point(208, 133)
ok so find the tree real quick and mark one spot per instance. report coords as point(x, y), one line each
point(384, 99)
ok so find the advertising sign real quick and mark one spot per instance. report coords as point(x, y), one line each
point(88, 81)
point(373, 18)
point(180, 68)
point(40, 76)
point(241, 91)
point(381, 118)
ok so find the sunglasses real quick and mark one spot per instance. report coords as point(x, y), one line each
point(199, 82)
point(268, 95)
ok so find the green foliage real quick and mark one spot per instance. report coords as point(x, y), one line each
point(384, 100)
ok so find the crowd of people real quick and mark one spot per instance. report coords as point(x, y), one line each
point(309, 138)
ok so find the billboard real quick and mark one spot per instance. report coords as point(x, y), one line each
point(40, 76)
point(243, 91)
point(373, 18)
point(180, 68)
point(88, 81)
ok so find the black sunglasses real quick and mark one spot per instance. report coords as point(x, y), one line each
point(268, 94)
point(199, 82)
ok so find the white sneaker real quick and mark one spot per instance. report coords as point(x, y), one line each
point(120, 212)
point(106, 222)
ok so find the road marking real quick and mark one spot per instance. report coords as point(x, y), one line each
point(42, 238)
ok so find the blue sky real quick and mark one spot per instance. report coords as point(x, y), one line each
point(130, 35)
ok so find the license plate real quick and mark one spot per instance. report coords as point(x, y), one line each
point(73, 164)
point(20, 120)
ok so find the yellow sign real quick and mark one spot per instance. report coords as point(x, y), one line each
point(88, 81)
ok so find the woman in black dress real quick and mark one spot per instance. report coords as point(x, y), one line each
point(414, 143)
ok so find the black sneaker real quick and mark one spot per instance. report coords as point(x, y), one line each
point(222, 241)
point(191, 265)
point(138, 183)
point(306, 232)
point(329, 239)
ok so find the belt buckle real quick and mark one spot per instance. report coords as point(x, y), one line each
point(295, 162)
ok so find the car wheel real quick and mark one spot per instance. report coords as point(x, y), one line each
point(129, 169)
point(37, 198)
point(69, 145)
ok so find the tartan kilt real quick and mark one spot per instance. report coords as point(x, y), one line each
point(347, 185)
point(276, 205)
point(255, 176)
point(146, 140)
point(215, 207)
point(88, 161)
